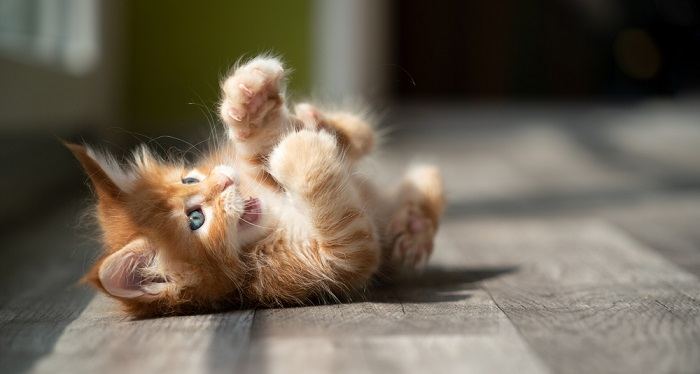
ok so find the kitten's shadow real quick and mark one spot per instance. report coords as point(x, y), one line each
point(435, 284)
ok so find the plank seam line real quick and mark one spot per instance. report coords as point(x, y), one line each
point(403, 309)
point(245, 357)
point(534, 354)
point(629, 235)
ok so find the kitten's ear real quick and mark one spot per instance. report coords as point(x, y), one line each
point(104, 171)
point(130, 272)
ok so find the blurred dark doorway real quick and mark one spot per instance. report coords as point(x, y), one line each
point(545, 49)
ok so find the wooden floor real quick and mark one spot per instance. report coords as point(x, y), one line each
point(571, 245)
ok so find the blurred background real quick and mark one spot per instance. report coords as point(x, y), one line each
point(568, 133)
point(121, 72)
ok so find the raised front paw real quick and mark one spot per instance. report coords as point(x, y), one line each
point(412, 234)
point(306, 159)
point(310, 116)
point(252, 92)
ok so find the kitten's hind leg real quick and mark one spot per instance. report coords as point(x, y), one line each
point(413, 226)
point(253, 106)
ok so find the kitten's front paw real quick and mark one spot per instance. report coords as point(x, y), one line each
point(253, 91)
point(305, 159)
point(310, 116)
point(412, 233)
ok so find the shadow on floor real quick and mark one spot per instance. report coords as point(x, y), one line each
point(435, 284)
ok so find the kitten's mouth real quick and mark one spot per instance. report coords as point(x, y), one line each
point(251, 213)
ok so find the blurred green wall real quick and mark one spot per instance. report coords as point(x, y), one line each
point(177, 52)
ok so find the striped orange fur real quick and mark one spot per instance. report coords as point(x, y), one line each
point(276, 215)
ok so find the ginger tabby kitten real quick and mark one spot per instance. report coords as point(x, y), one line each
point(276, 215)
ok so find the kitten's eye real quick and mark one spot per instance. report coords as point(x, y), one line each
point(190, 180)
point(196, 219)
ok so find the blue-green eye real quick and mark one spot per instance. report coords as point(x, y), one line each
point(190, 180)
point(196, 219)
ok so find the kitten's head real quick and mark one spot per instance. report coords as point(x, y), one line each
point(171, 235)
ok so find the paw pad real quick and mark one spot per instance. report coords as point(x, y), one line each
point(251, 92)
point(413, 233)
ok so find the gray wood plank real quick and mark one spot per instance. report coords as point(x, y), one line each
point(618, 329)
point(30, 327)
point(39, 269)
point(439, 322)
point(586, 297)
point(669, 225)
point(470, 335)
point(104, 340)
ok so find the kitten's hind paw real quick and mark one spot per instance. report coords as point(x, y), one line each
point(251, 93)
point(412, 234)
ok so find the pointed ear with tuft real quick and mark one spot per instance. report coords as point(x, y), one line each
point(131, 272)
point(108, 177)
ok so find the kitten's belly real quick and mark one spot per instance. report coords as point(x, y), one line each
point(290, 215)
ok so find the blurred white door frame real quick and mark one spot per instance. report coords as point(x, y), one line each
point(59, 63)
point(351, 49)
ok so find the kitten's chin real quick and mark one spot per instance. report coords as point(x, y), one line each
point(252, 211)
